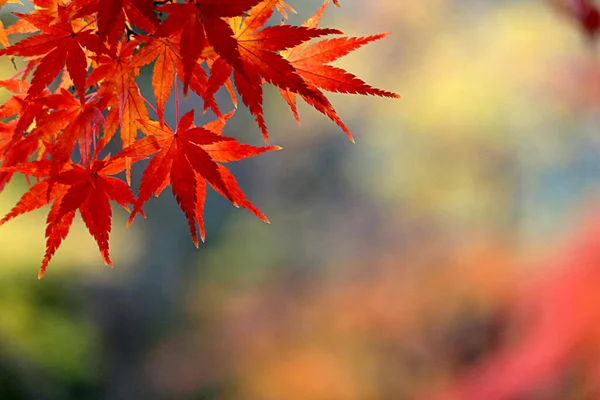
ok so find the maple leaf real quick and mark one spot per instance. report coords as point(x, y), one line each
point(72, 123)
point(18, 147)
point(49, 11)
point(16, 150)
point(167, 59)
point(113, 14)
point(200, 23)
point(87, 189)
point(114, 75)
point(60, 44)
point(129, 119)
point(186, 159)
point(261, 61)
point(168, 63)
point(283, 8)
point(127, 109)
point(258, 48)
point(311, 62)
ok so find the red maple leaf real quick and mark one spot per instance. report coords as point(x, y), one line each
point(261, 62)
point(127, 108)
point(72, 123)
point(87, 189)
point(311, 62)
point(113, 15)
point(201, 24)
point(167, 60)
point(185, 159)
point(59, 45)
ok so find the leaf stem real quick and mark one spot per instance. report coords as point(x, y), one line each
point(21, 72)
point(150, 105)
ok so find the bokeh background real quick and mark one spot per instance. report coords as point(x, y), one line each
point(451, 253)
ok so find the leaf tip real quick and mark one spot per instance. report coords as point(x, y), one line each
point(107, 260)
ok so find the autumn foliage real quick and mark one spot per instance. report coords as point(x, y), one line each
point(79, 87)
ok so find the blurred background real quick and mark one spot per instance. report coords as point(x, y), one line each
point(452, 253)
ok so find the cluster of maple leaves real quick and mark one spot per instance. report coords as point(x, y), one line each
point(79, 87)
